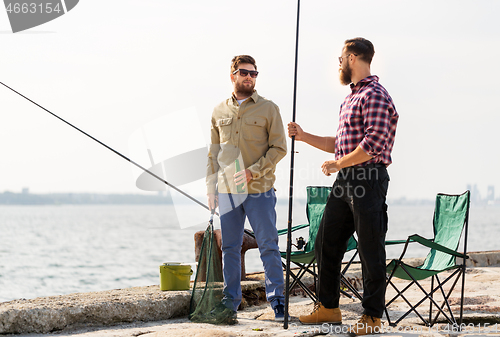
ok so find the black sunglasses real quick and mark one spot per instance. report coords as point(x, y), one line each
point(244, 73)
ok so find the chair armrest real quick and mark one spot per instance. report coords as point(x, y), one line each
point(295, 228)
point(394, 242)
point(398, 242)
point(429, 243)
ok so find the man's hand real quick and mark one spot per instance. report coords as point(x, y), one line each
point(213, 201)
point(294, 129)
point(243, 177)
point(330, 166)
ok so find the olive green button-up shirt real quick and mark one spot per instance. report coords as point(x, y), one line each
point(253, 133)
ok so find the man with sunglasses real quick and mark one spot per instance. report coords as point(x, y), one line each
point(362, 147)
point(248, 140)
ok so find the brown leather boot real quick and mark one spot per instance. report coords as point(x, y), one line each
point(367, 325)
point(321, 315)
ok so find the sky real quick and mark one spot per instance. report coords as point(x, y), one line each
point(116, 68)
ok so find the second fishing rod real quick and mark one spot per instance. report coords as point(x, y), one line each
point(111, 149)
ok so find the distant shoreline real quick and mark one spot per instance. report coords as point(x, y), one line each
point(31, 199)
point(10, 198)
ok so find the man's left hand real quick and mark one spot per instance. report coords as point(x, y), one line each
point(243, 177)
point(330, 166)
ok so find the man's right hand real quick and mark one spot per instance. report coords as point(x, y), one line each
point(326, 144)
point(213, 201)
point(294, 129)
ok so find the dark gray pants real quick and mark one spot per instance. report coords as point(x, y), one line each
point(355, 204)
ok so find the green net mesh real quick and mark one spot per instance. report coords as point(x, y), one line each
point(206, 305)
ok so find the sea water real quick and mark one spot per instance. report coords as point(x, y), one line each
point(55, 250)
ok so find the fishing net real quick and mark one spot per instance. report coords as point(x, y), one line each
point(206, 300)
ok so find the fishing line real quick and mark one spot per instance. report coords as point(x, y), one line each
point(109, 148)
point(290, 198)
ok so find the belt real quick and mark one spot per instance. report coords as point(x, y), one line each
point(372, 165)
point(346, 170)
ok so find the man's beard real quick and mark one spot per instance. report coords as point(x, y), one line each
point(244, 90)
point(345, 75)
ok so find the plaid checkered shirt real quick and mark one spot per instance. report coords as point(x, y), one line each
point(368, 118)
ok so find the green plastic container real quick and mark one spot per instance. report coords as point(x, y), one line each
point(175, 276)
point(241, 187)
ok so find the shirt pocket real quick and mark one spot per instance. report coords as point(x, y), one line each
point(224, 126)
point(254, 128)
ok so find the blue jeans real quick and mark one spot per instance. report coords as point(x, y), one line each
point(261, 213)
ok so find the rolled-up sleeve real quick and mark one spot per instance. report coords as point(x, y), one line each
point(376, 112)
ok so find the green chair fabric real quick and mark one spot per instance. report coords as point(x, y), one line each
point(450, 221)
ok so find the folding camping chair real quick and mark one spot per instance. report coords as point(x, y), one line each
point(451, 216)
point(305, 259)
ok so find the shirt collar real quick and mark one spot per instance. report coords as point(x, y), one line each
point(254, 97)
point(364, 81)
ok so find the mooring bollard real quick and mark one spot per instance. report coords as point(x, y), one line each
point(249, 242)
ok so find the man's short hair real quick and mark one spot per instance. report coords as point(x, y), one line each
point(361, 47)
point(237, 60)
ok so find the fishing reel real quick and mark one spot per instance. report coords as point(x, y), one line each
point(300, 243)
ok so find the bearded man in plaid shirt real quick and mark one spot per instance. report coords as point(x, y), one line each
point(362, 147)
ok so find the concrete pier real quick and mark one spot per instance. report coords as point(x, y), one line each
point(129, 310)
point(103, 308)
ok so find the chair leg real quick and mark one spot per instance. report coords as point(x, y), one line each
point(351, 288)
point(297, 281)
point(428, 296)
point(400, 293)
point(446, 297)
point(349, 263)
point(306, 290)
point(387, 304)
point(412, 308)
point(430, 302)
point(462, 294)
point(347, 283)
point(315, 277)
point(303, 269)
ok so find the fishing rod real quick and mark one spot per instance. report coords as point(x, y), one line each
point(109, 148)
point(290, 197)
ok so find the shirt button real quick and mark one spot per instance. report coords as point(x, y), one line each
point(236, 132)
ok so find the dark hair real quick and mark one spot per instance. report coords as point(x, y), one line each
point(361, 47)
point(237, 60)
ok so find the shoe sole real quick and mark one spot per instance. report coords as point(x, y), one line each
point(230, 322)
point(316, 323)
